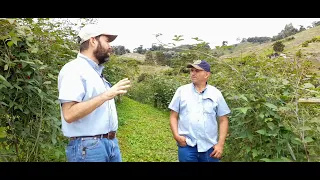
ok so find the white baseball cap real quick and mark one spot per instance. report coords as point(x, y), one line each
point(93, 30)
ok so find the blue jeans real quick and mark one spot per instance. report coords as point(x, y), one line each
point(93, 150)
point(191, 154)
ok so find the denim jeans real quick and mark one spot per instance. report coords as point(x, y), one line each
point(93, 150)
point(191, 154)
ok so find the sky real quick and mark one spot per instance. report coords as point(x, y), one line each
point(133, 32)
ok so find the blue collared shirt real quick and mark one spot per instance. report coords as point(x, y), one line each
point(198, 114)
point(80, 80)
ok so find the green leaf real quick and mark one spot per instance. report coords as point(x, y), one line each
point(4, 37)
point(6, 67)
point(305, 128)
point(315, 120)
point(3, 103)
point(9, 43)
point(261, 115)
point(265, 160)
point(54, 140)
point(28, 43)
point(308, 85)
point(248, 149)
point(29, 38)
point(66, 46)
point(43, 67)
point(254, 153)
point(261, 131)
point(272, 106)
point(298, 139)
point(3, 133)
point(243, 97)
point(50, 101)
point(284, 109)
point(34, 50)
point(268, 120)
point(244, 110)
point(28, 62)
point(307, 140)
point(18, 87)
point(47, 82)
point(285, 82)
point(271, 125)
point(5, 82)
point(26, 111)
point(15, 40)
point(291, 151)
point(318, 128)
point(57, 154)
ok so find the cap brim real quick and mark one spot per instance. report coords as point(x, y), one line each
point(195, 66)
point(111, 37)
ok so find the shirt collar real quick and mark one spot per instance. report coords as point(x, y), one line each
point(94, 65)
point(195, 90)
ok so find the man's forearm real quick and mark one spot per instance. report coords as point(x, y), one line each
point(82, 109)
point(174, 123)
point(223, 129)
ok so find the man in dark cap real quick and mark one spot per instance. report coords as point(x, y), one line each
point(194, 108)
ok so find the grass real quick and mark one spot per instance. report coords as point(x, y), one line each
point(152, 69)
point(144, 133)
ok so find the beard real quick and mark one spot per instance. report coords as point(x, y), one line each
point(101, 54)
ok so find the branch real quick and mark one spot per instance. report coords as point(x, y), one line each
point(309, 100)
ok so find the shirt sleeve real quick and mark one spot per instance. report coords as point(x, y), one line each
point(71, 87)
point(223, 108)
point(175, 101)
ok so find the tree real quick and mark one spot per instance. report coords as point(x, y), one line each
point(302, 28)
point(119, 50)
point(278, 46)
point(224, 43)
point(140, 50)
point(315, 23)
point(149, 58)
point(287, 31)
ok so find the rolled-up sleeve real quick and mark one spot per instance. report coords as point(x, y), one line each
point(71, 87)
point(223, 108)
point(175, 101)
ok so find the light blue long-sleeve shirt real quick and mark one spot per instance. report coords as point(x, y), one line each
point(80, 80)
point(198, 114)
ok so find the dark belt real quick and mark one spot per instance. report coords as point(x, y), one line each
point(109, 135)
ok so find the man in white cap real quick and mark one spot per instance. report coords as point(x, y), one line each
point(194, 108)
point(87, 106)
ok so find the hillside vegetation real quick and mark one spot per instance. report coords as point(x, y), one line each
point(312, 52)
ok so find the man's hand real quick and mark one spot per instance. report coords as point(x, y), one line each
point(217, 151)
point(119, 88)
point(181, 140)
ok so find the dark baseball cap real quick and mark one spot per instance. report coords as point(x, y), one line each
point(200, 64)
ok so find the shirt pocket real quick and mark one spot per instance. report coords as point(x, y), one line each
point(209, 106)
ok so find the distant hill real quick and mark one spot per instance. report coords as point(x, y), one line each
point(312, 52)
point(136, 56)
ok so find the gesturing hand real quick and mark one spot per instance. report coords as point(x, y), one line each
point(119, 88)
